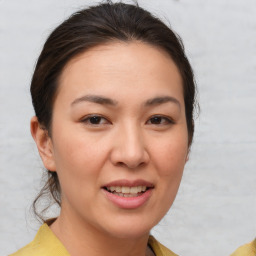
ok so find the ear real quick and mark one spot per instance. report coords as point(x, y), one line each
point(44, 144)
point(188, 154)
point(187, 158)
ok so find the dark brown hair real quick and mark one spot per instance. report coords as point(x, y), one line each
point(91, 27)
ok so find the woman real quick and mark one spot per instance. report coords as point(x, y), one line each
point(114, 97)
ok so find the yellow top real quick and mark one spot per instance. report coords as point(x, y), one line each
point(246, 250)
point(46, 243)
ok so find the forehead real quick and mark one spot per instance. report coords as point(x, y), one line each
point(117, 67)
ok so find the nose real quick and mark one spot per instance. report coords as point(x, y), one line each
point(129, 148)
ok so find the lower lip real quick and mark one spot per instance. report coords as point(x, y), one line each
point(129, 202)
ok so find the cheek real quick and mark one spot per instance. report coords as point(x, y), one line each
point(170, 160)
point(78, 166)
point(170, 156)
point(74, 149)
point(77, 160)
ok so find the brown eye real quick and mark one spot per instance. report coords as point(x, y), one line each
point(156, 120)
point(159, 120)
point(95, 120)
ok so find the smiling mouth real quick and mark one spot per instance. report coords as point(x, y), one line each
point(124, 191)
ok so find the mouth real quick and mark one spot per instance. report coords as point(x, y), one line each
point(127, 194)
point(125, 191)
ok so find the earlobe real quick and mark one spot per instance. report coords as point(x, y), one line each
point(187, 157)
point(44, 144)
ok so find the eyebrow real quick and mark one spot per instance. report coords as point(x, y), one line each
point(107, 101)
point(95, 99)
point(162, 100)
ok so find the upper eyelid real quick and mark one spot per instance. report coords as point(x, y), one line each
point(92, 115)
point(87, 117)
point(162, 116)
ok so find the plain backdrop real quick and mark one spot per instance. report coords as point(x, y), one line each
point(215, 210)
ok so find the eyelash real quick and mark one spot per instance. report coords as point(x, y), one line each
point(167, 120)
point(90, 119)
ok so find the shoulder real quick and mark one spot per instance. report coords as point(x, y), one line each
point(159, 249)
point(246, 250)
point(45, 243)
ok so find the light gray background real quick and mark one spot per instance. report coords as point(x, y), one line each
point(215, 209)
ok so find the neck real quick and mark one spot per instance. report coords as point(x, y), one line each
point(81, 238)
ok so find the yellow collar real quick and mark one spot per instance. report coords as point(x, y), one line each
point(46, 243)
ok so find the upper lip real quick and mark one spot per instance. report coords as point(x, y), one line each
point(129, 183)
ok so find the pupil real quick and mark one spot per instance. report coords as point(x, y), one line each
point(156, 120)
point(95, 119)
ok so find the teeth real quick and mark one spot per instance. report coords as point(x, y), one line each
point(118, 189)
point(134, 190)
point(125, 195)
point(127, 190)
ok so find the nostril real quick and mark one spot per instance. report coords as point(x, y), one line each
point(133, 165)
point(130, 153)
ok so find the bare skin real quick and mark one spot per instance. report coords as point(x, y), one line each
point(119, 116)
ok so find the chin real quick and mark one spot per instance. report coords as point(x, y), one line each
point(129, 233)
point(131, 228)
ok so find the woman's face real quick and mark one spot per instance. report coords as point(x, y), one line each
point(119, 138)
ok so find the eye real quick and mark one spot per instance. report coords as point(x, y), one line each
point(160, 120)
point(95, 120)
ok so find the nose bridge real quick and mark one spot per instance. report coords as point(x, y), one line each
point(130, 148)
point(133, 141)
